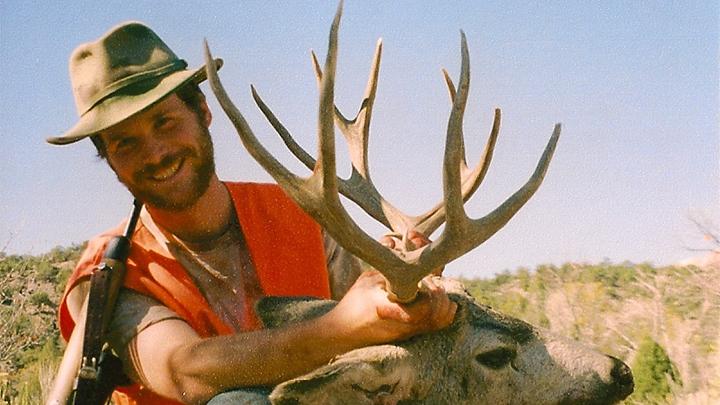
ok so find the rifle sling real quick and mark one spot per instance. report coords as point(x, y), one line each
point(96, 322)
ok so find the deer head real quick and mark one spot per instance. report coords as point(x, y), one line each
point(318, 194)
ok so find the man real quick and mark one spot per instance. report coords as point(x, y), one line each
point(205, 251)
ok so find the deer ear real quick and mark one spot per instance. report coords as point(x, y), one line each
point(373, 375)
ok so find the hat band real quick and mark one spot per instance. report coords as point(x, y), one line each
point(136, 78)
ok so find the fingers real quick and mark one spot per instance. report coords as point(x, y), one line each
point(418, 240)
point(442, 309)
point(394, 240)
point(432, 310)
point(368, 316)
point(388, 241)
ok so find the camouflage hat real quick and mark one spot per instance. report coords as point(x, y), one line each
point(121, 74)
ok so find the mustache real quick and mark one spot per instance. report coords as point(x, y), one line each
point(150, 169)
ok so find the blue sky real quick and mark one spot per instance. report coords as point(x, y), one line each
point(635, 85)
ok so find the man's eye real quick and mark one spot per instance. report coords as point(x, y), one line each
point(125, 144)
point(163, 123)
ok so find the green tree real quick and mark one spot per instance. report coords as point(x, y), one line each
point(653, 372)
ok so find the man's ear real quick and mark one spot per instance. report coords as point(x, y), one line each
point(206, 114)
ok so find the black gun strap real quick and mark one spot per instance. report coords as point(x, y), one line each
point(88, 390)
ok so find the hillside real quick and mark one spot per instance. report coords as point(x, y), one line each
point(626, 310)
point(30, 289)
point(664, 322)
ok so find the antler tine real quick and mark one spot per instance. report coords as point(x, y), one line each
point(326, 162)
point(280, 173)
point(455, 146)
point(450, 85)
point(289, 141)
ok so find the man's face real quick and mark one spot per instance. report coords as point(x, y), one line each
point(164, 155)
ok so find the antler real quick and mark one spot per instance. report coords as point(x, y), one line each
point(318, 194)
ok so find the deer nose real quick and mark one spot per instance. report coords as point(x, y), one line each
point(622, 378)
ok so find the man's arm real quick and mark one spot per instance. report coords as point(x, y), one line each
point(172, 360)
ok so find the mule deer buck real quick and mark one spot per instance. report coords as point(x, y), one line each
point(484, 356)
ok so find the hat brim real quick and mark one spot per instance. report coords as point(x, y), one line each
point(116, 109)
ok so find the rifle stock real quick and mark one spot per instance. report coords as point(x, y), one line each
point(62, 389)
point(88, 374)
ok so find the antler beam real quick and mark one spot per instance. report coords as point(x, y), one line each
point(318, 194)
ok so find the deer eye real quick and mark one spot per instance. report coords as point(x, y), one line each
point(497, 358)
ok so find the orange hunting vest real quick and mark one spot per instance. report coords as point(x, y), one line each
point(285, 245)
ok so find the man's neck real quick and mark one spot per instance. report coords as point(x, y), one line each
point(209, 217)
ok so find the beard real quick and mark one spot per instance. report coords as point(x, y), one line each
point(180, 195)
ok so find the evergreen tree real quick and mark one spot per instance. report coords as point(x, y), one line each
point(653, 371)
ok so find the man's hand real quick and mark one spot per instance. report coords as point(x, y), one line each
point(367, 316)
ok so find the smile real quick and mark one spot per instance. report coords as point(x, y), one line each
point(169, 171)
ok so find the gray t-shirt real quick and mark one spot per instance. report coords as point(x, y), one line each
point(224, 274)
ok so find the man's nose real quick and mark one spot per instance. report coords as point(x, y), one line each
point(154, 149)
